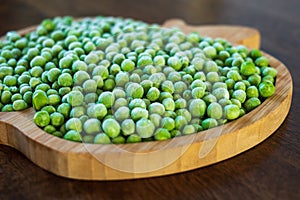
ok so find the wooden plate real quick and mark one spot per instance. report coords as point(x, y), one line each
point(129, 161)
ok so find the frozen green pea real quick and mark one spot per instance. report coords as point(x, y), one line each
point(102, 138)
point(57, 119)
point(169, 104)
point(134, 90)
point(73, 135)
point(162, 134)
point(210, 51)
point(269, 71)
point(252, 91)
point(39, 99)
point(145, 128)
point(64, 109)
point(128, 127)
point(168, 123)
point(134, 138)
point(174, 76)
point(111, 127)
point(212, 77)
point(138, 113)
point(239, 95)
point(248, 68)
point(77, 111)
point(156, 108)
point(198, 92)
point(231, 112)
point(175, 63)
point(75, 98)
point(262, 61)
point(180, 122)
point(92, 126)
point(188, 129)
point(234, 75)
point(167, 86)
point(74, 124)
point(144, 61)
point(159, 61)
point(19, 105)
point(180, 87)
point(210, 66)
point(121, 79)
point(80, 77)
point(266, 89)
point(209, 123)
point(41, 118)
point(122, 113)
point(153, 94)
point(89, 86)
point(107, 98)
point(221, 93)
point(137, 103)
point(215, 110)
point(197, 108)
point(155, 119)
point(251, 103)
point(184, 112)
point(98, 111)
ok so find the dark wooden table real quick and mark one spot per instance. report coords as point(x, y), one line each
point(271, 170)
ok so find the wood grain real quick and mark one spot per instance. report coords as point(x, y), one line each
point(114, 162)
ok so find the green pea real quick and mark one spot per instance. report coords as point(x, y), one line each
point(41, 118)
point(92, 126)
point(162, 134)
point(111, 127)
point(169, 104)
point(75, 98)
point(39, 99)
point(73, 135)
point(107, 99)
point(128, 127)
point(239, 95)
point(134, 90)
point(209, 123)
point(156, 108)
point(175, 63)
point(180, 122)
point(197, 108)
point(251, 103)
point(64, 109)
point(122, 78)
point(49, 109)
point(231, 111)
point(153, 94)
point(145, 128)
point(19, 105)
point(252, 91)
point(57, 119)
point(122, 113)
point(98, 111)
point(168, 123)
point(262, 61)
point(134, 138)
point(266, 89)
point(74, 124)
point(137, 103)
point(79, 66)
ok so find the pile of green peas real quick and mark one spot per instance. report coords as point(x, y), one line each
point(112, 80)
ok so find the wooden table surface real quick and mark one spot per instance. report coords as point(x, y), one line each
point(270, 170)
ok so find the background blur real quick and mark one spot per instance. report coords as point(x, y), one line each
point(16, 14)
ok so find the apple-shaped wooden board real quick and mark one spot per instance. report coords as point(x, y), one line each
point(149, 159)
